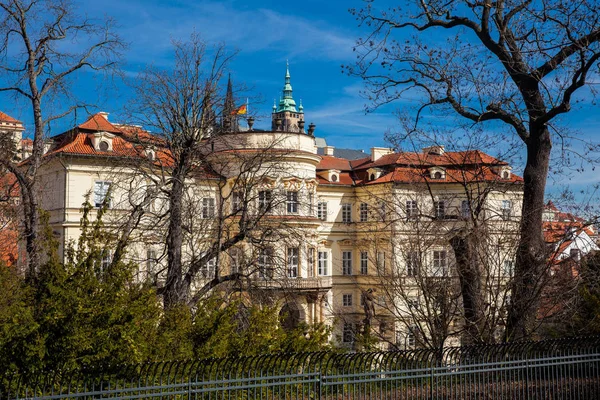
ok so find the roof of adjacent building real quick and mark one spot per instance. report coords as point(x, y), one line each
point(414, 167)
point(349, 154)
point(7, 118)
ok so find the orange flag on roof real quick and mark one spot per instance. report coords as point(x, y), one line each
point(242, 110)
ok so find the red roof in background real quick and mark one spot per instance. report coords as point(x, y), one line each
point(331, 162)
point(448, 159)
point(7, 118)
point(344, 179)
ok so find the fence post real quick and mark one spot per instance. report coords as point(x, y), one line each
point(527, 377)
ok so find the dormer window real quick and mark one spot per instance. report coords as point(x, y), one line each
point(150, 154)
point(103, 141)
point(374, 173)
point(504, 171)
point(437, 173)
point(334, 178)
point(333, 175)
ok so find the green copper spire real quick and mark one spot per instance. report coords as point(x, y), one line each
point(287, 103)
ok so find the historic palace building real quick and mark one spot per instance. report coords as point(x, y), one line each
point(363, 242)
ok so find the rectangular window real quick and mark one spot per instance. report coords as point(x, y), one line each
point(236, 202)
point(364, 212)
point(265, 201)
point(412, 211)
point(381, 261)
point(362, 299)
point(364, 263)
point(465, 209)
point(151, 261)
point(382, 210)
point(411, 340)
point(208, 207)
point(292, 262)
point(440, 263)
point(508, 268)
point(208, 269)
point(292, 202)
point(346, 263)
point(265, 263)
point(322, 210)
point(235, 259)
point(322, 263)
point(413, 262)
point(506, 209)
point(347, 212)
point(106, 260)
point(348, 333)
point(439, 209)
point(347, 300)
point(311, 204)
point(101, 189)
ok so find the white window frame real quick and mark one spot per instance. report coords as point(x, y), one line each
point(440, 263)
point(413, 262)
point(323, 263)
point(322, 210)
point(346, 213)
point(208, 269)
point(208, 207)
point(439, 209)
point(347, 300)
point(236, 202)
point(364, 212)
point(465, 209)
point(234, 259)
point(506, 210)
point(151, 261)
point(310, 262)
point(265, 199)
point(101, 189)
point(265, 263)
point(412, 209)
point(293, 261)
point(346, 262)
point(348, 334)
point(292, 203)
point(364, 263)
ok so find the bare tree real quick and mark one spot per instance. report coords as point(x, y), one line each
point(516, 63)
point(43, 43)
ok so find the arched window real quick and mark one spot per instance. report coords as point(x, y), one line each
point(437, 175)
point(103, 146)
point(334, 178)
point(372, 177)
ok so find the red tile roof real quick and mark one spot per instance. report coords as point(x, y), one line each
point(99, 123)
point(7, 118)
point(330, 162)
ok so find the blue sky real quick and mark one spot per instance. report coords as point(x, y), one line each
point(315, 36)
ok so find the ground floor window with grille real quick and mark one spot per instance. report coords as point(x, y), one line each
point(348, 333)
point(322, 267)
point(440, 263)
point(346, 263)
point(265, 263)
point(292, 262)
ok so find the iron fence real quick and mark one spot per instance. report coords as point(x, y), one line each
point(552, 369)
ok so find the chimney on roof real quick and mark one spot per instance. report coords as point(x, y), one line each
point(435, 150)
point(328, 150)
point(104, 114)
point(378, 152)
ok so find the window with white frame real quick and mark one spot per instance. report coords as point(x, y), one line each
point(347, 300)
point(311, 204)
point(465, 209)
point(506, 209)
point(322, 263)
point(235, 256)
point(151, 261)
point(381, 261)
point(208, 269)
point(346, 263)
point(348, 333)
point(310, 260)
point(508, 268)
point(292, 262)
point(208, 207)
point(413, 263)
point(106, 259)
point(440, 263)
point(439, 209)
point(346, 212)
point(364, 263)
point(292, 202)
point(101, 189)
point(364, 212)
point(265, 263)
point(412, 212)
point(322, 210)
point(265, 200)
point(236, 202)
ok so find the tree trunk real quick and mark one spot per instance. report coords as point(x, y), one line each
point(465, 246)
point(532, 254)
point(174, 293)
